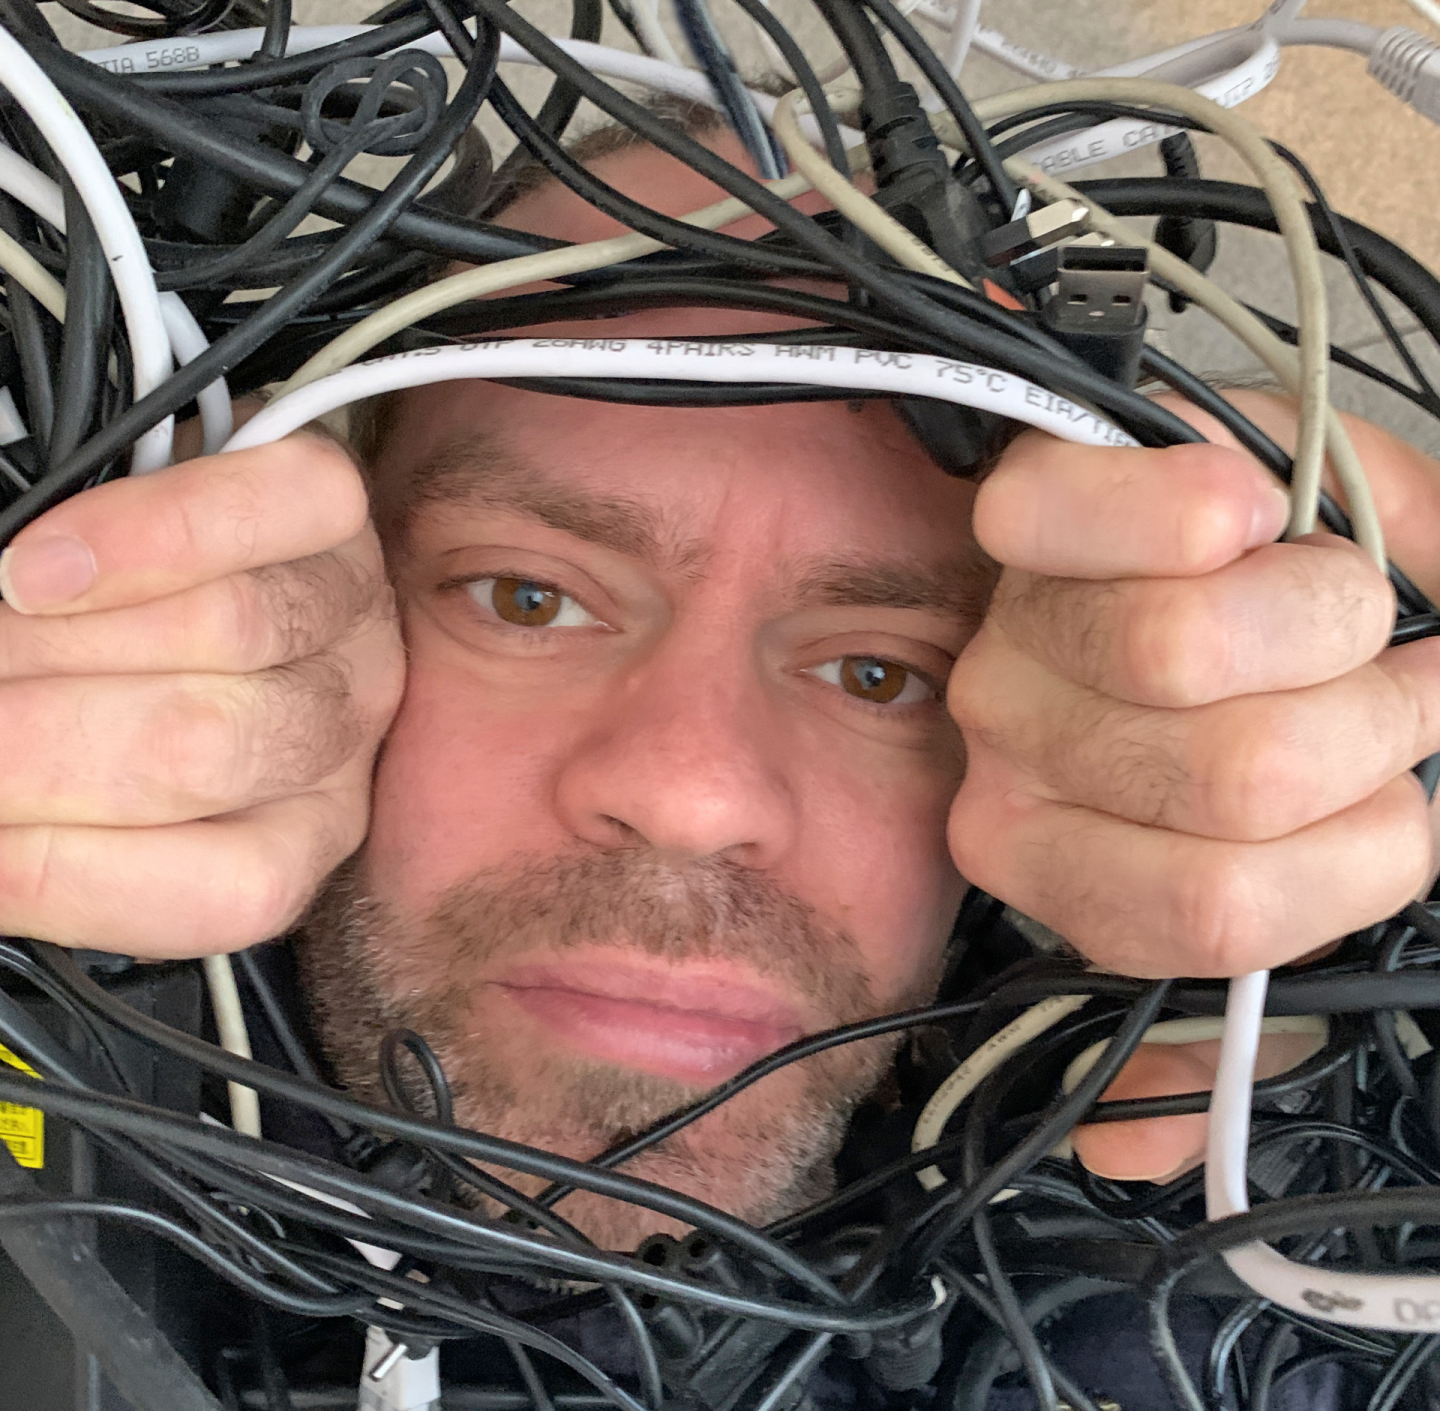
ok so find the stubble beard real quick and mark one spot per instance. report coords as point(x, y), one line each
point(369, 970)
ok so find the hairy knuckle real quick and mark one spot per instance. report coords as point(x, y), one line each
point(202, 740)
point(1252, 776)
point(1217, 923)
point(1171, 652)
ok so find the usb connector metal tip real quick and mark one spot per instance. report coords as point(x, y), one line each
point(1099, 289)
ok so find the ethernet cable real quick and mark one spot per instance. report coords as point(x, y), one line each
point(234, 1038)
point(125, 252)
point(678, 359)
point(962, 34)
point(483, 280)
point(997, 1049)
point(34, 189)
point(1398, 1303)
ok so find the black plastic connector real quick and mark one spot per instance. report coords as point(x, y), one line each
point(1098, 308)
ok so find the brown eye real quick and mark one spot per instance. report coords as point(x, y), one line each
point(524, 603)
point(527, 602)
point(873, 679)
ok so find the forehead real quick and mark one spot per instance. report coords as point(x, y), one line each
point(792, 482)
point(808, 479)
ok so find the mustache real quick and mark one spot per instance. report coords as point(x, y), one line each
point(707, 909)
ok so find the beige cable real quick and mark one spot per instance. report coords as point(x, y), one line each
point(483, 280)
point(32, 276)
point(1278, 356)
point(858, 208)
point(1310, 379)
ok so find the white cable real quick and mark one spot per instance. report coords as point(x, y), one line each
point(1399, 1303)
point(187, 342)
point(653, 38)
point(687, 360)
point(1037, 1020)
point(1227, 73)
point(1428, 8)
point(962, 35)
point(1354, 35)
point(129, 264)
point(1171, 1032)
point(483, 280)
point(32, 276)
point(234, 1038)
point(187, 339)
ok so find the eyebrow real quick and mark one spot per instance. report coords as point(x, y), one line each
point(483, 472)
point(959, 587)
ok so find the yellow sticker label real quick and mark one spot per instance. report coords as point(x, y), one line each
point(22, 1129)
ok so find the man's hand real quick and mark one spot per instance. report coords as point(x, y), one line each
point(1188, 752)
point(1189, 749)
point(196, 668)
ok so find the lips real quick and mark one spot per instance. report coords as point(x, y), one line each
point(697, 1025)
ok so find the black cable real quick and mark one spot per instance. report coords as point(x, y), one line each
point(85, 337)
point(27, 328)
point(629, 212)
point(925, 1235)
point(1403, 1371)
point(278, 310)
point(277, 30)
point(762, 16)
point(1381, 259)
point(556, 112)
point(457, 1141)
point(715, 61)
point(944, 84)
point(1423, 386)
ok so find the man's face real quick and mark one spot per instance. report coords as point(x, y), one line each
point(668, 787)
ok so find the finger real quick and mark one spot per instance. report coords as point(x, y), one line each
point(1249, 769)
point(1284, 616)
point(1097, 512)
point(128, 751)
point(248, 622)
point(145, 537)
point(1154, 1148)
point(1162, 1148)
point(185, 890)
point(1150, 902)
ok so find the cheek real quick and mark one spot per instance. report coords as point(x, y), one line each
point(880, 868)
point(462, 785)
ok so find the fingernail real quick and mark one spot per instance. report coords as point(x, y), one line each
point(1269, 517)
point(46, 573)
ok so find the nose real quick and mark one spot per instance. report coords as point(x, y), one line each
point(686, 757)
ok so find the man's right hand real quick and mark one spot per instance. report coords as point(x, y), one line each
point(196, 669)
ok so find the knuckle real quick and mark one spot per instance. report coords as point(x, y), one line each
point(1251, 779)
point(330, 476)
point(1169, 650)
point(203, 743)
point(1217, 925)
point(313, 723)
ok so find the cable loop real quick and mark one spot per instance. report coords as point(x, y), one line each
point(411, 81)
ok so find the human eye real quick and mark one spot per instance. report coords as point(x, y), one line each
point(527, 602)
point(876, 680)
